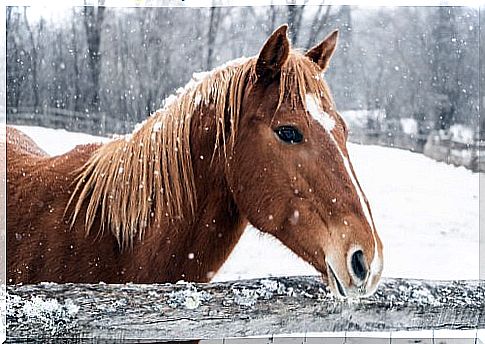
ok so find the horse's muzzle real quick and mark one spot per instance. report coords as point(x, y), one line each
point(357, 288)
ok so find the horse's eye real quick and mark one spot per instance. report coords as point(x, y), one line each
point(289, 134)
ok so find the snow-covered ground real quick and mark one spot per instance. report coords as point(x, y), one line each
point(426, 213)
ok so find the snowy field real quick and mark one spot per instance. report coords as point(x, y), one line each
point(426, 214)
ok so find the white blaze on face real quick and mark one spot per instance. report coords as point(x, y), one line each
point(314, 108)
point(313, 105)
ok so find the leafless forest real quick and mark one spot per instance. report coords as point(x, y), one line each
point(407, 62)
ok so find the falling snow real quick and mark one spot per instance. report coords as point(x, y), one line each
point(295, 217)
point(406, 192)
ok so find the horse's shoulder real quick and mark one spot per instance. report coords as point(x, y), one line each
point(44, 171)
point(81, 153)
point(71, 161)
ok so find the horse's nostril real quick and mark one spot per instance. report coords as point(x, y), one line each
point(358, 265)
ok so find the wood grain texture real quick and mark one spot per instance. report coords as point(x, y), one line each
point(233, 309)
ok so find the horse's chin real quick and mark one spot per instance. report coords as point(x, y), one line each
point(342, 291)
point(336, 287)
point(334, 284)
point(331, 282)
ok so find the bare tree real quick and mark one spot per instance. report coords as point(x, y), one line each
point(33, 58)
point(272, 13)
point(9, 16)
point(17, 61)
point(442, 65)
point(148, 53)
point(320, 19)
point(214, 22)
point(93, 20)
point(12, 58)
point(75, 56)
point(122, 70)
point(295, 15)
point(482, 76)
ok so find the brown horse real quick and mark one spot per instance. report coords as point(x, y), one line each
point(258, 140)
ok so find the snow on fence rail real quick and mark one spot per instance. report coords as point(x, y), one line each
point(239, 308)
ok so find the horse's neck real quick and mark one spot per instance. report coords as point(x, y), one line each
point(194, 249)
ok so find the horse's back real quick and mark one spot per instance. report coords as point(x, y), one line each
point(38, 190)
point(18, 142)
point(23, 157)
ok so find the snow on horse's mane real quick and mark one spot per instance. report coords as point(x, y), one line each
point(197, 78)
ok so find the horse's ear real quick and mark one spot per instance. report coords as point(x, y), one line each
point(274, 54)
point(322, 53)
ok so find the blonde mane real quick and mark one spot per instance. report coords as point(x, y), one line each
point(131, 181)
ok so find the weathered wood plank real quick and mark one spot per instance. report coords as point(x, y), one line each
point(241, 308)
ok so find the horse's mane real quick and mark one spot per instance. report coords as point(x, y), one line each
point(130, 181)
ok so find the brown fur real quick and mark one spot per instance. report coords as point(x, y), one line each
point(171, 201)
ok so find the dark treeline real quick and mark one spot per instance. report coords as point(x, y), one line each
point(418, 62)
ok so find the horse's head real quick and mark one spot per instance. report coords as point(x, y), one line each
point(290, 171)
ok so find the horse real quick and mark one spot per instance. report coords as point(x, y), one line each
point(256, 141)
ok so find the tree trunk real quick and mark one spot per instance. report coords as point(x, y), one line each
point(122, 68)
point(318, 23)
point(272, 22)
point(214, 21)
point(295, 13)
point(33, 60)
point(77, 75)
point(12, 57)
point(443, 65)
point(93, 20)
point(481, 73)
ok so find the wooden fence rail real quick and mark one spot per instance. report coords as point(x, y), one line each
point(241, 308)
